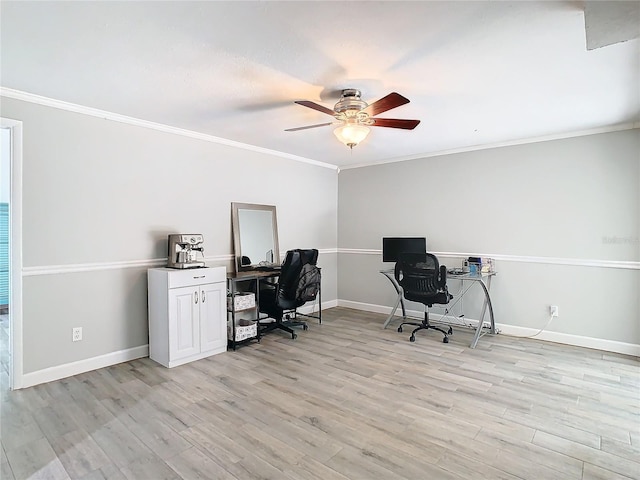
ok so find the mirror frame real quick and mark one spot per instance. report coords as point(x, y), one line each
point(235, 226)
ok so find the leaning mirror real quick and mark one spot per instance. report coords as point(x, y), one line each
point(255, 235)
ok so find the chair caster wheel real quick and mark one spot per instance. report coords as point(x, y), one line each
point(294, 335)
point(450, 332)
point(445, 340)
point(412, 338)
point(400, 329)
point(305, 327)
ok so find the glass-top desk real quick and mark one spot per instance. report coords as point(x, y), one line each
point(468, 280)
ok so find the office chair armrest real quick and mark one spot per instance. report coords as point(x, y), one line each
point(443, 276)
point(396, 271)
point(268, 286)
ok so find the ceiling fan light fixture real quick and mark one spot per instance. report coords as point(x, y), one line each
point(351, 134)
point(354, 116)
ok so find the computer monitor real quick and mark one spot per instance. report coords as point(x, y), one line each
point(392, 247)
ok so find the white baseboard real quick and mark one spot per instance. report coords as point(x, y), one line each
point(516, 331)
point(82, 366)
point(367, 307)
point(569, 339)
point(311, 308)
point(69, 369)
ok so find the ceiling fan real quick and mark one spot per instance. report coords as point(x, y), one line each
point(354, 116)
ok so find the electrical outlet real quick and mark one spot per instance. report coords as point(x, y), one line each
point(77, 334)
point(553, 310)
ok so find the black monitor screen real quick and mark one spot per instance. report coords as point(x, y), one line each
point(393, 246)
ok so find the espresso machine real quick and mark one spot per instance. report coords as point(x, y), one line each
point(183, 251)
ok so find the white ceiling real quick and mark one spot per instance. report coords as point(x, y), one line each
point(477, 73)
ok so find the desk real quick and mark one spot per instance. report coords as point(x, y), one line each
point(233, 279)
point(482, 279)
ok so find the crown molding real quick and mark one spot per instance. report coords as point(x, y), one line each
point(510, 143)
point(81, 109)
point(116, 117)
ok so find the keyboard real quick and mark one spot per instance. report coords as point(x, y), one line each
point(268, 268)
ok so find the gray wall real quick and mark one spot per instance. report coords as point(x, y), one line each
point(565, 201)
point(97, 193)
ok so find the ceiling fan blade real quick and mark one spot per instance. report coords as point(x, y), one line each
point(392, 100)
point(315, 106)
point(395, 123)
point(308, 126)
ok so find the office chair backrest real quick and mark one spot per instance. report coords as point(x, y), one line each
point(299, 278)
point(422, 278)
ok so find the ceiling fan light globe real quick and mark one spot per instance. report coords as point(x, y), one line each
point(351, 134)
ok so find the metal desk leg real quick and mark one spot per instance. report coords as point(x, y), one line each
point(320, 303)
point(399, 299)
point(258, 309)
point(487, 302)
point(393, 312)
point(484, 307)
point(233, 315)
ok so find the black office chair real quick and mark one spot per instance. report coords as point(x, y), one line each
point(298, 283)
point(423, 280)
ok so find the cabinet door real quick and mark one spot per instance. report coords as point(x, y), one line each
point(184, 323)
point(213, 325)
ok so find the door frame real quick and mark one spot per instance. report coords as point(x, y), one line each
point(15, 252)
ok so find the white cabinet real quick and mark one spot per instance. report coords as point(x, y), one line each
point(187, 314)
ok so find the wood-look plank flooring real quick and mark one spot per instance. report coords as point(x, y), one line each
point(345, 400)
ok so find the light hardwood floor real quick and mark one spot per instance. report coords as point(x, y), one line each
point(345, 400)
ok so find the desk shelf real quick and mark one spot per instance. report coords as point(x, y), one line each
point(243, 323)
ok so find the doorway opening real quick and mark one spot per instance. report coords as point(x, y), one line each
point(5, 184)
point(10, 254)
